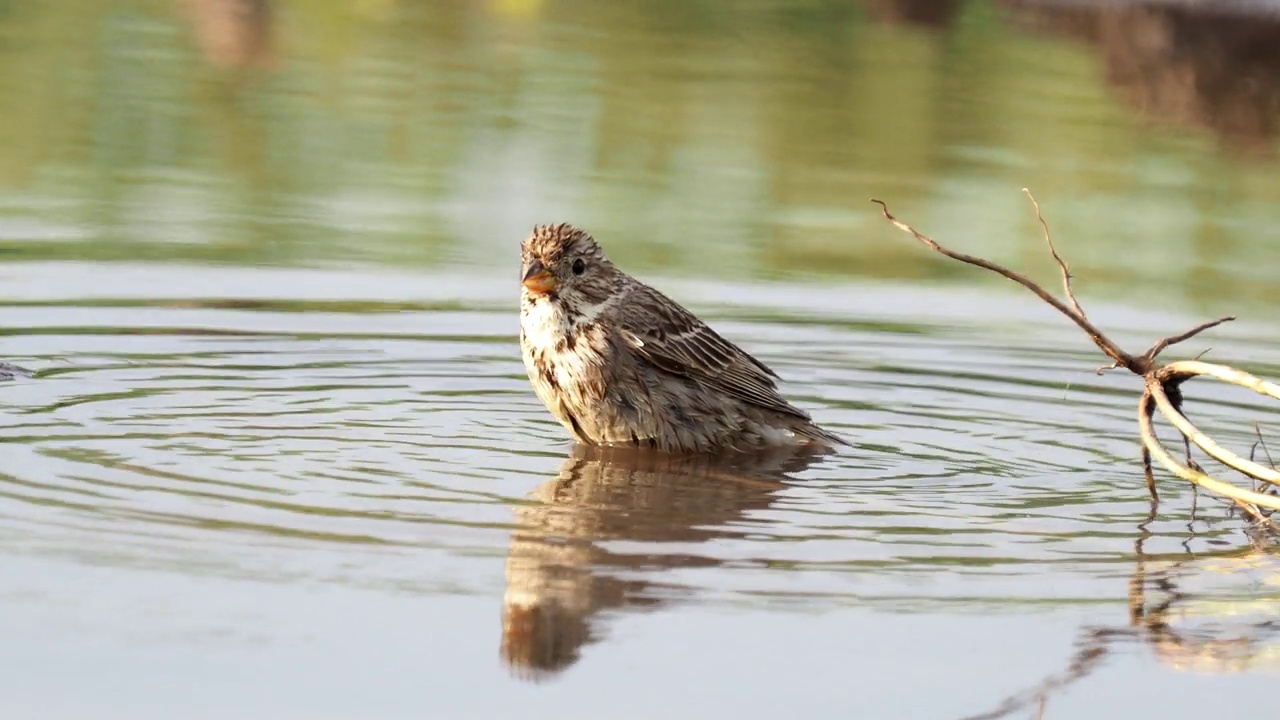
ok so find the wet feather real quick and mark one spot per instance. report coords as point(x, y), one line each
point(619, 363)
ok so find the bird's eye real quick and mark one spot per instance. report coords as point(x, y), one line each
point(579, 267)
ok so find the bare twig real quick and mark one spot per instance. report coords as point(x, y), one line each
point(1258, 431)
point(1150, 477)
point(1137, 364)
point(1146, 407)
point(1104, 343)
point(1105, 368)
point(1163, 343)
point(1062, 264)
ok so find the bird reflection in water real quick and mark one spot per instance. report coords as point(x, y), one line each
point(561, 574)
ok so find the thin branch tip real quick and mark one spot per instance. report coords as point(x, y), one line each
point(1073, 311)
point(1062, 264)
point(1164, 343)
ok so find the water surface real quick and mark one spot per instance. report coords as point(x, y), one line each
point(279, 456)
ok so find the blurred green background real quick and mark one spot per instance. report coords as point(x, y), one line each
point(737, 140)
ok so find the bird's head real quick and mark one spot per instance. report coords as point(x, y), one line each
point(565, 263)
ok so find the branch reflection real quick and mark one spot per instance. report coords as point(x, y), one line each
point(564, 568)
point(1228, 631)
point(1207, 613)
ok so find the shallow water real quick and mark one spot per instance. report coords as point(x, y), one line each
point(279, 456)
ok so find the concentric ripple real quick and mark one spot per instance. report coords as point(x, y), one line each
point(393, 442)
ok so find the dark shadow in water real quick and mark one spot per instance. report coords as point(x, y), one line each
point(560, 577)
point(9, 372)
point(1205, 632)
point(1212, 65)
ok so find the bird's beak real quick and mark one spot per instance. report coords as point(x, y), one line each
point(538, 279)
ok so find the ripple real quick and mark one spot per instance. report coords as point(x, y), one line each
point(353, 441)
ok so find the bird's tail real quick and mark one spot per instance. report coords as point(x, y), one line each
point(813, 432)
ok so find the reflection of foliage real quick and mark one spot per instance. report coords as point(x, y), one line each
point(1215, 65)
point(150, 149)
point(929, 13)
point(560, 571)
point(729, 139)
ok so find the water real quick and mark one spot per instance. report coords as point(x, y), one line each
point(279, 456)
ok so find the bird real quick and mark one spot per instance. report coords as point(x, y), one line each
point(619, 363)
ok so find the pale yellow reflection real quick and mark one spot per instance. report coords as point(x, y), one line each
point(565, 565)
point(1215, 614)
point(1212, 613)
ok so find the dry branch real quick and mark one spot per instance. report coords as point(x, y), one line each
point(1248, 500)
point(1062, 264)
point(1137, 364)
point(1163, 383)
point(1263, 443)
point(1191, 368)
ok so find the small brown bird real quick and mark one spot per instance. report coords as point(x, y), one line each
point(619, 363)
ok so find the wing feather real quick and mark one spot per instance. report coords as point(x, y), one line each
point(676, 341)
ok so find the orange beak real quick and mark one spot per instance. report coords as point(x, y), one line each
point(538, 279)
